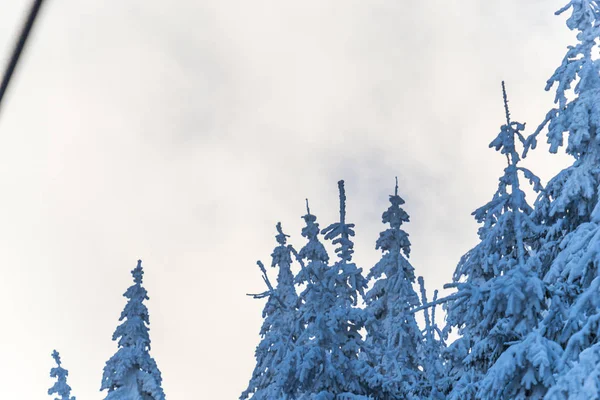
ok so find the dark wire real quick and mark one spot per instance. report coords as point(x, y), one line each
point(10, 69)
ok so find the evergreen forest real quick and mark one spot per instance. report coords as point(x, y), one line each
point(522, 317)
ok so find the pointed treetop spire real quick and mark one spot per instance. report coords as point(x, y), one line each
point(505, 104)
point(282, 258)
point(395, 215)
point(60, 387)
point(508, 127)
point(341, 229)
point(281, 237)
point(309, 219)
point(313, 250)
point(138, 273)
point(342, 201)
point(510, 133)
point(56, 357)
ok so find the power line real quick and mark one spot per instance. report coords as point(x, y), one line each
point(10, 69)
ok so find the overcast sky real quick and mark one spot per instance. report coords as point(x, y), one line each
point(181, 132)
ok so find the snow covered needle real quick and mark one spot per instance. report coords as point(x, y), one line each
point(60, 387)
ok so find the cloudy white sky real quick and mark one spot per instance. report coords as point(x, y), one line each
point(181, 132)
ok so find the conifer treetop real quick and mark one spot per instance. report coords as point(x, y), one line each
point(394, 239)
point(281, 237)
point(60, 387)
point(282, 258)
point(341, 229)
point(505, 141)
point(131, 373)
point(503, 200)
point(393, 337)
point(507, 215)
point(500, 297)
point(314, 249)
point(135, 317)
point(272, 377)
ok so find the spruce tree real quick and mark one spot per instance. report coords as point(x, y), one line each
point(500, 295)
point(394, 338)
point(131, 373)
point(570, 212)
point(315, 369)
point(60, 387)
point(333, 367)
point(527, 366)
point(275, 371)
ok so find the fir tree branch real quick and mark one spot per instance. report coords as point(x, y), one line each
point(268, 293)
point(439, 301)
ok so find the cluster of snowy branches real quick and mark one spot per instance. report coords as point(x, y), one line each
point(131, 373)
point(526, 301)
point(313, 346)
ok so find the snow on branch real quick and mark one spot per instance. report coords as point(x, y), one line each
point(270, 292)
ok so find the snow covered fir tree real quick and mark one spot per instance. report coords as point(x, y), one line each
point(131, 373)
point(60, 388)
point(394, 339)
point(521, 321)
point(274, 375)
point(500, 297)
